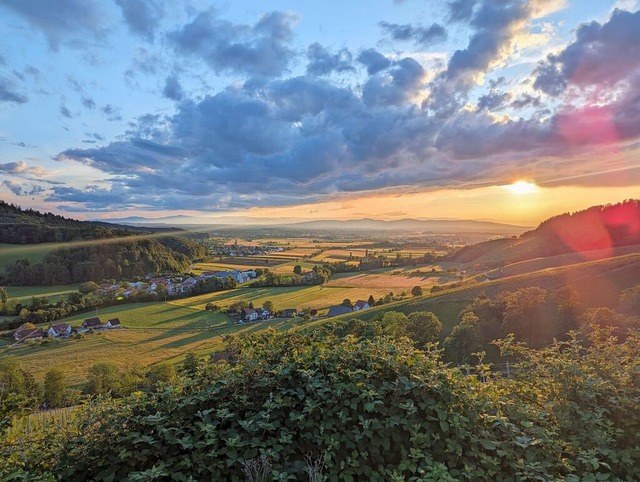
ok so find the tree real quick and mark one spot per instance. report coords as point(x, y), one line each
point(297, 269)
point(191, 364)
point(88, 287)
point(3, 298)
point(464, 339)
point(416, 291)
point(268, 305)
point(211, 307)
point(371, 301)
point(103, 379)
point(160, 374)
point(424, 327)
point(54, 388)
point(347, 302)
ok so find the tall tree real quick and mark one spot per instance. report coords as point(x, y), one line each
point(55, 388)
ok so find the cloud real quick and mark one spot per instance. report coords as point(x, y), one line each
point(65, 112)
point(323, 62)
point(22, 190)
point(423, 36)
point(263, 49)
point(60, 19)
point(111, 112)
point(14, 167)
point(493, 100)
point(8, 92)
point(142, 16)
point(401, 84)
point(461, 10)
point(601, 55)
point(373, 60)
point(172, 88)
point(89, 103)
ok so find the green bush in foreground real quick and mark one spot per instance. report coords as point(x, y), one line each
point(368, 409)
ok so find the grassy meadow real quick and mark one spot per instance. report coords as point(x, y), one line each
point(52, 292)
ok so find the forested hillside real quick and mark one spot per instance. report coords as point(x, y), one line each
point(110, 258)
point(31, 227)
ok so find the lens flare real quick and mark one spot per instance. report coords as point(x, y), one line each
point(521, 187)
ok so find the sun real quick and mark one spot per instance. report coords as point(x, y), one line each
point(521, 187)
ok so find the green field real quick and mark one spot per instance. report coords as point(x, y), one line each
point(32, 252)
point(155, 332)
point(318, 297)
point(51, 292)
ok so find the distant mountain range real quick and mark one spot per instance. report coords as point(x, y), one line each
point(442, 226)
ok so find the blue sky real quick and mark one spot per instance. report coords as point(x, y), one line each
point(297, 109)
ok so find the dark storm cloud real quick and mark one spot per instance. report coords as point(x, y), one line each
point(59, 19)
point(323, 62)
point(373, 60)
point(9, 93)
point(262, 49)
point(423, 36)
point(142, 16)
point(526, 100)
point(172, 88)
point(602, 54)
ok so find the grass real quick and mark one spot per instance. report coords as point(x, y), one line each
point(34, 253)
point(318, 297)
point(52, 292)
point(154, 333)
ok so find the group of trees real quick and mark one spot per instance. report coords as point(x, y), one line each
point(20, 393)
point(362, 408)
point(317, 276)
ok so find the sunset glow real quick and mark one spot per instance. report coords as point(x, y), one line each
point(521, 187)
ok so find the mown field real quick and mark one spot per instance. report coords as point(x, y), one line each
point(153, 333)
point(52, 292)
point(390, 279)
point(318, 297)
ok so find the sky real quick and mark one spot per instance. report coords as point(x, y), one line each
point(273, 111)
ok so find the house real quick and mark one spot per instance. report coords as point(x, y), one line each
point(289, 313)
point(62, 329)
point(27, 333)
point(92, 323)
point(361, 305)
point(113, 323)
point(250, 314)
point(265, 314)
point(338, 310)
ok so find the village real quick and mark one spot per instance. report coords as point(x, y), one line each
point(64, 330)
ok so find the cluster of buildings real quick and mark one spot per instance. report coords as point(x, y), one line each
point(63, 330)
point(172, 285)
point(238, 250)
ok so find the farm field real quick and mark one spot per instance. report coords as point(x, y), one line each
point(52, 292)
point(315, 297)
point(155, 332)
point(389, 279)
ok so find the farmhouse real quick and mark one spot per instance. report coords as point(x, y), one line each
point(113, 323)
point(27, 333)
point(250, 314)
point(289, 313)
point(338, 310)
point(92, 323)
point(361, 305)
point(61, 329)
